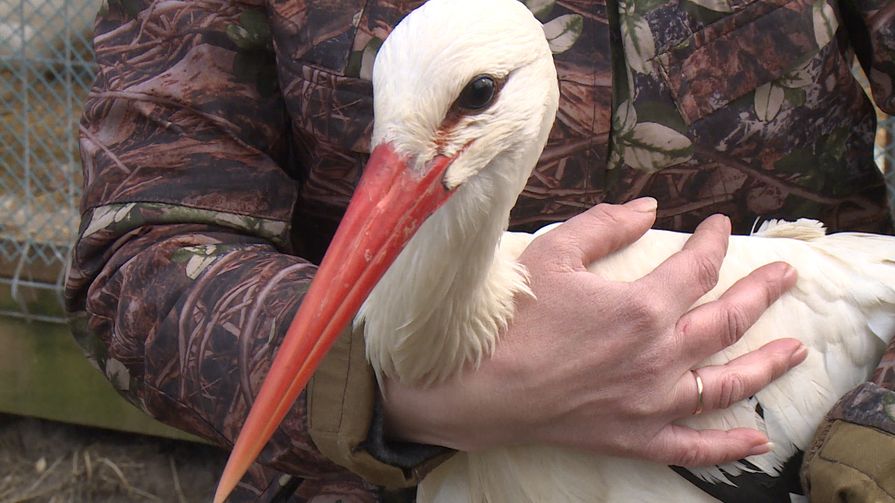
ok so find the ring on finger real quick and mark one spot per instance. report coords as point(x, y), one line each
point(699, 387)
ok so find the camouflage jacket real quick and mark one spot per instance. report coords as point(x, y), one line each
point(222, 140)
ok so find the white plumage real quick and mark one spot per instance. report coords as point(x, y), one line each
point(842, 308)
point(444, 301)
point(423, 257)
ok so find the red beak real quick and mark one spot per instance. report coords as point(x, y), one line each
point(388, 207)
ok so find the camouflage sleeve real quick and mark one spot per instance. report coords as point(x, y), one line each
point(180, 287)
point(871, 24)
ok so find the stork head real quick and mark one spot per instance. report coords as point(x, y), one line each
point(464, 91)
point(468, 81)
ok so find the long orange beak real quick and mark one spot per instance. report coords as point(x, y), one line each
point(388, 207)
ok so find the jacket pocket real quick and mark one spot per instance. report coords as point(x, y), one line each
point(738, 54)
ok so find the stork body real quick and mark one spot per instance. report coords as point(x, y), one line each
point(444, 301)
point(423, 248)
point(842, 308)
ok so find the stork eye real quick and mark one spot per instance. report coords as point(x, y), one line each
point(478, 94)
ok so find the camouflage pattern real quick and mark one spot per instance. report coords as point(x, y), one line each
point(869, 404)
point(222, 141)
point(850, 463)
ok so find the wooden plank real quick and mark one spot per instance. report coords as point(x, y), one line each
point(43, 373)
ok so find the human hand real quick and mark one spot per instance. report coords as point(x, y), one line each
point(605, 366)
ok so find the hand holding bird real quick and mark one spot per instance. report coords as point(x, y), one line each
point(621, 396)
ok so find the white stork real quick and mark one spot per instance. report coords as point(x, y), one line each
point(423, 260)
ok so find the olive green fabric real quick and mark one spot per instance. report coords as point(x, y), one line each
point(851, 463)
point(340, 411)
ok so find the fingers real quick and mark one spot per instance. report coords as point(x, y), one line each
point(711, 327)
point(694, 269)
point(683, 446)
point(740, 378)
point(598, 232)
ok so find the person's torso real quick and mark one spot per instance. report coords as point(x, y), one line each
point(744, 107)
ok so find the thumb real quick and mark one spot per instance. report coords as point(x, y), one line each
point(601, 230)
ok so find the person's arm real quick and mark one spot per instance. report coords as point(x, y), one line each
point(853, 453)
point(181, 286)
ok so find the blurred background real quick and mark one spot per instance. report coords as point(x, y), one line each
point(64, 434)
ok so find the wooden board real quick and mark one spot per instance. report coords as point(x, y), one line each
point(43, 373)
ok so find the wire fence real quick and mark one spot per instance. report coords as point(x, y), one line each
point(45, 72)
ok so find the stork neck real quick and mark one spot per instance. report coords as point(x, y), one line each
point(448, 296)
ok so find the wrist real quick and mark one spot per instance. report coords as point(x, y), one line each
point(408, 417)
point(445, 415)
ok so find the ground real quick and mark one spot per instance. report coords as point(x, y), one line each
point(45, 461)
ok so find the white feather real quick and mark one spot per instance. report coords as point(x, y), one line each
point(443, 303)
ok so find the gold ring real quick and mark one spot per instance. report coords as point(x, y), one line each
point(698, 410)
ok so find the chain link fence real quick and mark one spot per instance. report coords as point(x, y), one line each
point(45, 72)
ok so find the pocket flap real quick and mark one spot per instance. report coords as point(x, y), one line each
point(736, 55)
